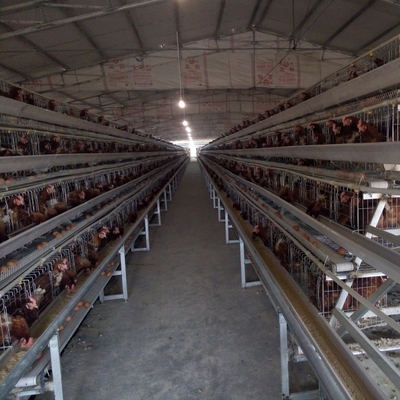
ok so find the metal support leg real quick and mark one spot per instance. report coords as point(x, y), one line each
point(215, 199)
point(362, 310)
point(174, 184)
point(164, 200)
point(285, 376)
point(284, 356)
point(145, 232)
point(56, 367)
point(374, 221)
point(340, 301)
point(158, 213)
point(243, 262)
point(227, 227)
point(221, 210)
point(122, 274)
point(169, 192)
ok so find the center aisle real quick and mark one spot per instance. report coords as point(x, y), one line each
point(188, 330)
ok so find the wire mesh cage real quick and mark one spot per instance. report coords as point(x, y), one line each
point(329, 292)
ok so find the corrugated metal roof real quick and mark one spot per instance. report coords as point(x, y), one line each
point(119, 58)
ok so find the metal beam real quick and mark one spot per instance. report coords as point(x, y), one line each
point(133, 26)
point(346, 24)
point(14, 71)
point(253, 15)
point(220, 15)
point(87, 7)
point(38, 49)
point(28, 4)
point(264, 13)
point(376, 38)
point(300, 26)
point(387, 152)
point(94, 14)
point(384, 363)
point(362, 309)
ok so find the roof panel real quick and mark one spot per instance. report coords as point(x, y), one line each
point(34, 65)
point(84, 45)
point(155, 25)
point(237, 15)
point(106, 25)
point(362, 31)
point(56, 37)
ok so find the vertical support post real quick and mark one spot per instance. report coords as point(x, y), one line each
point(211, 192)
point(242, 263)
point(284, 356)
point(56, 366)
point(146, 230)
point(340, 301)
point(165, 200)
point(227, 227)
point(174, 183)
point(102, 296)
point(220, 210)
point(215, 199)
point(374, 221)
point(121, 252)
point(169, 192)
point(158, 213)
point(122, 274)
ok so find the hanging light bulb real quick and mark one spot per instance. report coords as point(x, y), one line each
point(188, 129)
point(185, 123)
point(181, 103)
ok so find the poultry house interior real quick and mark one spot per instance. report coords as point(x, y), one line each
point(309, 189)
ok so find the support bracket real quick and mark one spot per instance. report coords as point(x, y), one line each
point(243, 262)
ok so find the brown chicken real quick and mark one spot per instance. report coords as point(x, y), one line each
point(281, 250)
point(256, 232)
point(100, 239)
point(317, 136)
point(63, 277)
point(348, 209)
point(14, 328)
point(284, 193)
point(22, 145)
point(82, 264)
point(38, 217)
point(29, 310)
point(48, 198)
point(46, 194)
point(91, 193)
point(3, 225)
point(317, 207)
point(262, 233)
point(55, 147)
point(19, 215)
point(300, 135)
point(132, 217)
point(116, 232)
point(76, 198)
point(369, 133)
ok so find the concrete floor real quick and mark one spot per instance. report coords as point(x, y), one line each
point(188, 330)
